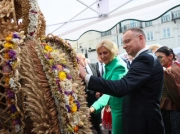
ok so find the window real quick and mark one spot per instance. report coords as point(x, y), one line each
point(149, 36)
point(134, 24)
point(149, 23)
point(166, 32)
point(106, 33)
point(165, 18)
point(176, 14)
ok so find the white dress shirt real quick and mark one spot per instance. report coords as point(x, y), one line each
point(100, 67)
point(88, 69)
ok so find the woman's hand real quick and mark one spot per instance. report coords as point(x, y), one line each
point(91, 110)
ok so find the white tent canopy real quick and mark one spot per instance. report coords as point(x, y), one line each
point(69, 19)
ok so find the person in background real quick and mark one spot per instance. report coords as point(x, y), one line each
point(100, 67)
point(100, 72)
point(154, 47)
point(129, 61)
point(170, 101)
point(91, 95)
point(141, 87)
point(178, 58)
point(115, 69)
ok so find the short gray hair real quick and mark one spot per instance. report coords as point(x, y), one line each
point(138, 30)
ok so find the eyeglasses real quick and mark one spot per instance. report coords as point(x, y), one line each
point(160, 57)
point(129, 40)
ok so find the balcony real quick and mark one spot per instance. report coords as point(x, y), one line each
point(165, 18)
point(132, 25)
point(149, 23)
point(105, 33)
point(176, 15)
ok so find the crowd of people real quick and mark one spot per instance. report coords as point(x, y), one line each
point(140, 94)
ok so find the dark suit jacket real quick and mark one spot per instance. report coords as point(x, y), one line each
point(142, 88)
point(97, 69)
point(91, 98)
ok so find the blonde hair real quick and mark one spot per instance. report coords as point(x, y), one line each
point(154, 47)
point(111, 46)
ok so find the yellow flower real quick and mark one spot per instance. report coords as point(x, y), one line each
point(62, 75)
point(6, 56)
point(73, 107)
point(51, 61)
point(63, 62)
point(7, 80)
point(14, 115)
point(9, 38)
point(8, 45)
point(48, 48)
point(14, 65)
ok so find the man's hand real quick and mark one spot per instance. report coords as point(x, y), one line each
point(82, 72)
point(98, 94)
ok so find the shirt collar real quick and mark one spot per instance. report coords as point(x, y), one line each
point(142, 50)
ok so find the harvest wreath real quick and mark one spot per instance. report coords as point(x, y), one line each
point(43, 92)
point(40, 89)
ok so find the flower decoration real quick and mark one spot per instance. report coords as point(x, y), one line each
point(62, 75)
point(59, 67)
point(6, 56)
point(9, 38)
point(15, 35)
point(33, 17)
point(48, 48)
point(9, 67)
point(7, 80)
point(12, 54)
point(59, 75)
point(6, 69)
point(8, 45)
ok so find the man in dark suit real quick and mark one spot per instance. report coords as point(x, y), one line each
point(142, 87)
point(92, 96)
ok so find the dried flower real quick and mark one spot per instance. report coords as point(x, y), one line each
point(6, 56)
point(7, 69)
point(62, 75)
point(77, 103)
point(13, 109)
point(69, 76)
point(48, 48)
point(7, 80)
point(74, 107)
point(10, 94)
point(15, 35)
point(68, 108)
point(9, 38)
point(8, 45)
point(12, 54)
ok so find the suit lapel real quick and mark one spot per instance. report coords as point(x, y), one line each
point(93, 70)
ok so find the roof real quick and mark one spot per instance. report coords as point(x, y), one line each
point(70, 19)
